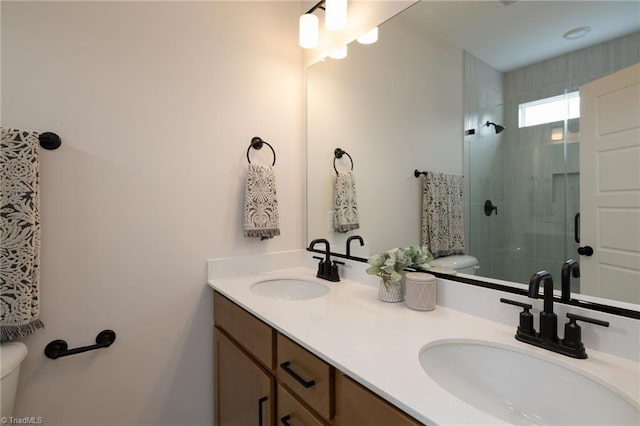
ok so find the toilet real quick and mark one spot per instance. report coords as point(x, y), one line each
point(11, 356)
point(459, 264)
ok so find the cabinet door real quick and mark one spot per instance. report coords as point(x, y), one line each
point(358, 406)
point(244, 392)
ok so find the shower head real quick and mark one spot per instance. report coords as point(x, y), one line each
point(498, 127)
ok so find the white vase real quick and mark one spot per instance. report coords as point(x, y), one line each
point(390, 291)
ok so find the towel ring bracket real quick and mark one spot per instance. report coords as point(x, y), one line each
point(337, 154)
point(257, 143)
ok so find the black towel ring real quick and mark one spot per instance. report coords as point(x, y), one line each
point(338, 153)
point(256, 143)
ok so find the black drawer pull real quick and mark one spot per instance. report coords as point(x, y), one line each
point(303, 382)
point(285, 420)
point(260, 401)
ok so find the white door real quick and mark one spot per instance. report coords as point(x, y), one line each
point(610, 186)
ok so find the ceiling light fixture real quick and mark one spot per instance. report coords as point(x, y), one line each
point(576, 33)
point(369, 37)
point(335, 20)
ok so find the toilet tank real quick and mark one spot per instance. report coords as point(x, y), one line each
point(12, 354)
point(462, 264)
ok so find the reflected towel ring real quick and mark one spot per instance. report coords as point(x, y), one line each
point(256, 143)
point(338, 153)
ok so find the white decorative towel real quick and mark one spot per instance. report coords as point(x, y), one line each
point(345, 206)
point(442, 214)
point(20, 231)
point(261, 203)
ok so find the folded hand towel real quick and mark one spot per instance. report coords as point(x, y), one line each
point(346, 209)
point(442, 214)
point(261, 204)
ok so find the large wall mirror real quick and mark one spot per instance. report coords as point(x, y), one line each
point(421, 97)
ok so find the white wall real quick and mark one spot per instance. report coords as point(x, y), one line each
point(156, 103)
point(394, 106)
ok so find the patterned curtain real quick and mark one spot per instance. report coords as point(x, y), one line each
point(20, 234)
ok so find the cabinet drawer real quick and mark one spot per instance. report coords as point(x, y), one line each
point(290, 411)
point(306, 375)
point(254, 335)
point(358, 406)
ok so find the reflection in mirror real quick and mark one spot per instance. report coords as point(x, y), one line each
point(432, 94)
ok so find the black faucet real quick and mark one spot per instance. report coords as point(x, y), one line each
point(351, 238)
point(570, 267)
point(548, 319)
point(571, 345)
point(327, 270)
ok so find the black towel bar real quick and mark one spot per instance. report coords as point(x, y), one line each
point(50, 140)
point(417, 173)
point(256, 143)
point(59, 348)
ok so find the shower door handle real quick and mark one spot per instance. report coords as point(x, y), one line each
point(576, 228)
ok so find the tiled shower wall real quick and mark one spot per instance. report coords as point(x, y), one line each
point(521, 170)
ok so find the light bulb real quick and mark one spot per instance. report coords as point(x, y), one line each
point(369, 37)
point(335, 14)
point(339, 53)
point(309, 31)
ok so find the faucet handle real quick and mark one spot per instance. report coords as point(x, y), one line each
point(526, 317)
point(573, 332)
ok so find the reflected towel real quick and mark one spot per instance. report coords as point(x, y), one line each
point(442, 214)
point(261, 203)
point(345, 206)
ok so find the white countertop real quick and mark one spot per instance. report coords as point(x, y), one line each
point(378, 343)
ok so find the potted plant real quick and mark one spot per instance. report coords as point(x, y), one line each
point(389, 266)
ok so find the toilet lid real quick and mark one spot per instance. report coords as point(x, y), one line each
point(11, 355)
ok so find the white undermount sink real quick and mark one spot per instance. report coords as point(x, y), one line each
point(523, 388)
point(289, 289)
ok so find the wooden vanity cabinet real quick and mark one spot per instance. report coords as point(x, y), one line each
point(244, 391)
point(358, 406)
point(264, 378)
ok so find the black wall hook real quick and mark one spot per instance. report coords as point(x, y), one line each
point(257, 143)
point(490, 208)
point(59, 348)
point(50, 140)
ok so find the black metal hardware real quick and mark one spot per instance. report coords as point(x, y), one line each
point(350, 239)
point(570, 267)
point(49, 140)
point(257, 143)
point(489, 208)
point(573, 333)
point(337, 154)
point(585, 251)
point(498, 128)
point(417, 173)
point(59, 348)
point(526, 317)
point(260, 402)
point(306, 383)
point(571, 345)
point(319, 5)
point(285, 420)
point(326, 270)
point(576, 228)
point(470, 132)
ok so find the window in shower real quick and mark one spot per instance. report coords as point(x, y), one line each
point(549, 110)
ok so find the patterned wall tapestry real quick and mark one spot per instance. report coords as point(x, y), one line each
point(20, 234)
